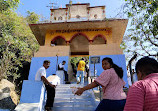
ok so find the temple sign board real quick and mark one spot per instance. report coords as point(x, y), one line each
point(95, 60)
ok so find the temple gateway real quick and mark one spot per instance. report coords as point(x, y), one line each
point(79, 30)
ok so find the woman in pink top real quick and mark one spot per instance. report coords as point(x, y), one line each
point(112, 84)
point(143, 94)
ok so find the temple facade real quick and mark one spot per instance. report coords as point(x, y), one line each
point(79, 30)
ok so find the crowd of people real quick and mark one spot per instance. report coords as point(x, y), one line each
point(141, 96)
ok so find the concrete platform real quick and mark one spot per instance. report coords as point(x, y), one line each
point(27, 107)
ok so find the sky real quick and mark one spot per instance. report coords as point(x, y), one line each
point(113, 7)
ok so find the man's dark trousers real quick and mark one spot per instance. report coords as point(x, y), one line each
point(50, 96)
point(66, 75)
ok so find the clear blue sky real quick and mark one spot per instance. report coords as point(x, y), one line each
point(39, 6)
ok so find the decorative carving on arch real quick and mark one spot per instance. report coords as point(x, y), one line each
point(100, 36)
point(78, 35)
point(58, 40)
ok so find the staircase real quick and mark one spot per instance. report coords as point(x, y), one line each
point(65, 100)
point(32, 98)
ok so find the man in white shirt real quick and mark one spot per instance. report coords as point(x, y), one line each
point(41, 76)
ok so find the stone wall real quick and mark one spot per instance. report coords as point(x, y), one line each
point(49, 51)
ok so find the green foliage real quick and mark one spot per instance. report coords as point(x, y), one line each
point(17, 43)
point(75, 60)
point(32, 17)
point(8, 4)
point(143, 34)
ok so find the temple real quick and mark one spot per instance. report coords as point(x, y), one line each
point(79, 30)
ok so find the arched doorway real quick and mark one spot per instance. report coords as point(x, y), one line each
point(58, 41)
point(79, 44)
point(99, 39)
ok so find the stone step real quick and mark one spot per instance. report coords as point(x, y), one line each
point(73, 109)
point(65, 100)
point(73, 104)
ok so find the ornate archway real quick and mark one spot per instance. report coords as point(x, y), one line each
point(79, 44)
point(99, 39)
point(59, 40)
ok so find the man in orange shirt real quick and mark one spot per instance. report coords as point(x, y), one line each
point(80, 71)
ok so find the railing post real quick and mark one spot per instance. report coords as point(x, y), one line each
point(130, 67)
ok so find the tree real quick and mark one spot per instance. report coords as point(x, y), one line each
point(143, 33)
point(32, 17)
point(17, 42)
point(75, 60)
point(8, 4)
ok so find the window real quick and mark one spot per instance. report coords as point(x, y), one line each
point(60, 18)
